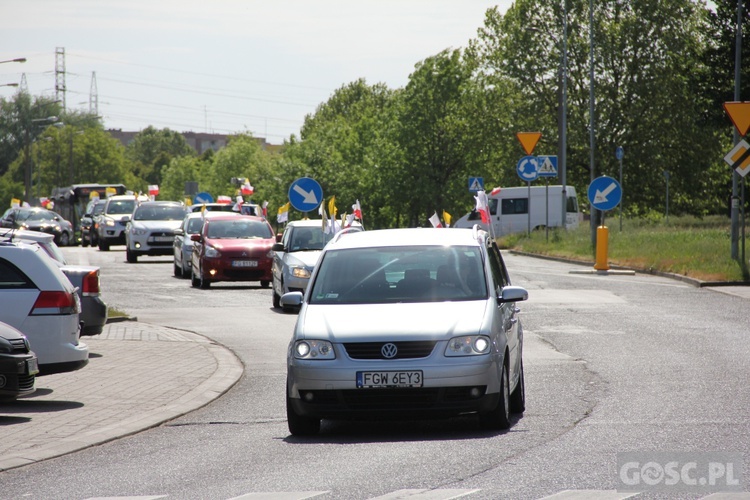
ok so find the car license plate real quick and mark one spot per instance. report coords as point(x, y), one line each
point(373, 380)
point(245, 263)
point(162, 239)
point(32, 366)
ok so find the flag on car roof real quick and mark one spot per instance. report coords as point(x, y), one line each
point(357, 210)
point(435, 220)
point(247, 189)
point(447, 218)
point(265, 209)
point(283, 213)
point(482, 206)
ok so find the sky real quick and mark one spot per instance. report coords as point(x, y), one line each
point(222, 66)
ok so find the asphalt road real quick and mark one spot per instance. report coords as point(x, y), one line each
point(614, 364)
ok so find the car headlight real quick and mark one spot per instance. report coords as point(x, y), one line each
point(470, 345)
point(138, 231)
point(109, 222)
point(212, 253)
point(300, 272)
point(313, 349)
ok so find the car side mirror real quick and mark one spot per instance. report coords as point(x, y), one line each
point(126, 219)
point(278, 247)
point(291, 299)
point(179, 231)
point(512, 294)
point(195, 237)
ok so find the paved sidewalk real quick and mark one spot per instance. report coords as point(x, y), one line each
point(138, 376)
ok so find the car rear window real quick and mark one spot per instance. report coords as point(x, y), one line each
point(399, 274)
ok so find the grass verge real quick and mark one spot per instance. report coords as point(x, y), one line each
point(698, 248)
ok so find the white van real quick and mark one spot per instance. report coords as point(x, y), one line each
point(509, 210)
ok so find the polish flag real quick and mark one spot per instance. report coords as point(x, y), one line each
point(495, 191)
point(238, 204)
point(357, 210)
point(265, 209)
point(224, 199)
point(247, 189)
point(153, 190)
point(482, 206)
point(435, 220)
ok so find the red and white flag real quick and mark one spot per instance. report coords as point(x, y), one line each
point(238, 204)
point(265, 209)
point(153, 190)
point(247, 189)
point(495, 191)
point(224, 199)
point(357, 210)
point(482, 206)
point(435, 220)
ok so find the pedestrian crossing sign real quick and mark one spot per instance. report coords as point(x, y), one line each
point(547, 166)
point(476, 184)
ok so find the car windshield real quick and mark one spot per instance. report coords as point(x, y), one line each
point(308, 238)
point(239, 228)
point(159, 212)
point(194, 225)
point(121, 207)
point(399, 274)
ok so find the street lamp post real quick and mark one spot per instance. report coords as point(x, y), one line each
point(17, 59)
point(27, 171)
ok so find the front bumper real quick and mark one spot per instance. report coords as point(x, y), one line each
point(15, 379)
point(222, 270)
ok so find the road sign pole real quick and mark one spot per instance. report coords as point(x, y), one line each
point(528, 207)
point(623, 191)
point(546, 208)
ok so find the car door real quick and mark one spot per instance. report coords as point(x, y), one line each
point(507, 311)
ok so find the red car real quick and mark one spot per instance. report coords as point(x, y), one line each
point(232, 247)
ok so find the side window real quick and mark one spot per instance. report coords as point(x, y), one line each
point(512, 206)
point(11, 277)
point(497, 266)
point(287, 237)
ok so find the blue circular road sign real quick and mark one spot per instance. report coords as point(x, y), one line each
point(619, 152)
point(203, 197)
point(528, 168)
point(305, 194)
point(605, 193)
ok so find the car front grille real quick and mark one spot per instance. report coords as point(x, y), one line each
point(407, 399)
point(245, 274)
point(405, 350)
point(19, 346)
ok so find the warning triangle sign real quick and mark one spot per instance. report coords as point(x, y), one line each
point(739, 113)
point(528, 140)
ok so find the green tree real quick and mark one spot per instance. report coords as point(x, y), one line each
point(242, 157)
point(151, 150)
point(174, 176)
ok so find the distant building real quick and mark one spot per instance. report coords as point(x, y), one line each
point(199, 141)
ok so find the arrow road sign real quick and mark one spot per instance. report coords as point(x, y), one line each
point(604, 193)
point(527, 168)
point(305, 194)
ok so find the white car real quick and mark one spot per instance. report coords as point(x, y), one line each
point(183, 245)
point(114, 218)
point(296, 254)
point(151, 229)
point(38, 300)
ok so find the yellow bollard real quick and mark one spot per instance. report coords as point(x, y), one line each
point(602, 247)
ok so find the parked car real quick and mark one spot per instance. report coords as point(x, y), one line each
point(295, 255)
point(150, 231)
point(183, 245)
point(84, 278)
point(18, 364)
point(232, 247)
point(40, 301)
point(406, 322)
point(111, 230)
point(89, 222)
point(40, 219)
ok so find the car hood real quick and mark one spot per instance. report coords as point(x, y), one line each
point(380, 322)
point(307, 258)
point(152, 225)
point(231, 244)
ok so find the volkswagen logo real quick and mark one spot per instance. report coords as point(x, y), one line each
point(389, 350)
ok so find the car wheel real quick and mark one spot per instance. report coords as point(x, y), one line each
point(204, 283)
point(194, 281)
point(84, 242)
point(299, 425)
point(186, 273)
point(499, 418)
point(131, 256)
point(276, 300)
point(64, 239)
point(265, 283)
point(177, 270)
point(518, 397)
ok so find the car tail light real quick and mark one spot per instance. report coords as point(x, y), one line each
point(90, 284)
point(55, 303)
